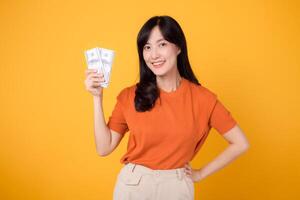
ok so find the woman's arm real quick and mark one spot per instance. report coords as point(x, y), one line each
point(102, 132)
point(238, 144)
point(106, 139)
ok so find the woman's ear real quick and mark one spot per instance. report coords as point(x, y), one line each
point(179, 51)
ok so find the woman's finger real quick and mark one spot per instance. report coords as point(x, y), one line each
point(95, 75)
point(188, 173)
point(97, 79)
point(90, 71)
point(187, 166)
point(96, 84)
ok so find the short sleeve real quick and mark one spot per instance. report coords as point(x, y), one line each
point(221, 118)
point(117, 121)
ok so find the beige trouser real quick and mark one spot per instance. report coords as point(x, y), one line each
point(137, 182)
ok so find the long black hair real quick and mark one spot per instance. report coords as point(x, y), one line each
point(147, 91)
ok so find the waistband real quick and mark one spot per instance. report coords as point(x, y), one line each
point(158, 172)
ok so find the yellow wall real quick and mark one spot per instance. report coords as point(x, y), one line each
point(245, 51)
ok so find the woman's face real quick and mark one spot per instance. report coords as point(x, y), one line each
point(159, 54)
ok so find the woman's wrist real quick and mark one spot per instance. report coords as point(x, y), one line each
point(97, 98)
point(199, 174)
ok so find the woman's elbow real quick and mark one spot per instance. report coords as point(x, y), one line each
point(102, 153)
point(244, 147)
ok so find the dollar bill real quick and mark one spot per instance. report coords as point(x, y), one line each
point(102, 60)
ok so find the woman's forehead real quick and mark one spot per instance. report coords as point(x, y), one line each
point(155, 41)
point(155, 35)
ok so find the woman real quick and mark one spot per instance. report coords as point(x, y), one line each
point(169, 115)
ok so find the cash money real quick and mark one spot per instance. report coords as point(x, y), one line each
point(100, 59)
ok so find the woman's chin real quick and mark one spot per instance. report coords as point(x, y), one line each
point(159, 73)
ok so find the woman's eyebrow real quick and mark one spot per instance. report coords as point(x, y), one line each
point(157, 40)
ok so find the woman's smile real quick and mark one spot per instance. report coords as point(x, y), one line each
point(158, 64)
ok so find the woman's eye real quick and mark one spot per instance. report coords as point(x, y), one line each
point(146, 47)
point(163, 44)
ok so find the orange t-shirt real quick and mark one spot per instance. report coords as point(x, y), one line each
point(171, 134)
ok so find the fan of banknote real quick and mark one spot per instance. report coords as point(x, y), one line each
point(100, 59)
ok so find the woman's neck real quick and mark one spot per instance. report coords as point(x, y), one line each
point(168, 83)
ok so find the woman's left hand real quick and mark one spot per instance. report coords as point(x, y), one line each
point(194, 174)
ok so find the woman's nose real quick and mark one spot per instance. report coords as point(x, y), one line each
point(154, 54)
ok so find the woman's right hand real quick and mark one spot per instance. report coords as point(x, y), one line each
point(92, 82)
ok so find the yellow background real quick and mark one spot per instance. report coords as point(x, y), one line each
point(247, 52)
